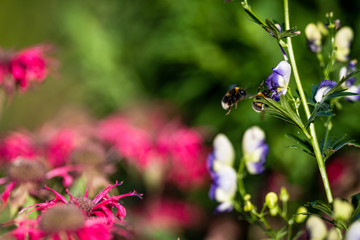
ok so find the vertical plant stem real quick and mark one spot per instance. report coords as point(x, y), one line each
point(313, 138)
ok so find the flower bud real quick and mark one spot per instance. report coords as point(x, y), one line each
point(274, 211)
point(271, 200)
point(284, 195)
point(342, 210)
point(301, 215)
point(247, 197)
point(248, 206)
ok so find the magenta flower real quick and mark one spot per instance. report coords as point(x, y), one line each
point(26, 169)
point(185, 148)
point(173, 152)
point(21, 69)
point(29, 65)
point(15, 145)
point(60, 146)
point(63, 220)
point(100, 207)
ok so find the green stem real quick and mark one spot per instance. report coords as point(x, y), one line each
point(313, 138)
point(240, 175)
point(328, 128)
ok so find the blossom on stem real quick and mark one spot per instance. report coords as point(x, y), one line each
point(278, 81)
point(224, 185)
point(324, 87)
point(313, 37)
point(255, 150)
point(343, 39)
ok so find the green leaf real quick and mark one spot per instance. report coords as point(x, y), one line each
point(355, 201)
point(338, 85)
point(335, 144)
point(320, 206)
point(321, 113)
point(276, 234)
point(303, 145)
point(337, 94)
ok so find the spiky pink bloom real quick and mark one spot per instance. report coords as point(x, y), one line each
point(24, 177)
point(100, 206)
point(62, 220)
point(29, 65)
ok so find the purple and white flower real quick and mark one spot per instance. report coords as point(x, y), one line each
point(353, 89)
point(255, 150)
point(350, 83)
point(343, 39)
point(313, 37)
point(324, 87)
point(353, 231)
point(278, 81)
point(223, 188)
point(345, 71)
point(219, 162)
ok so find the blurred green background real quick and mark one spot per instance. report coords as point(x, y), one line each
point(117, 52)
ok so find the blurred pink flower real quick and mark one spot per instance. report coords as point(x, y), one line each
point(168, 215)
point(134, 144)
point(26, 169)
point(60, 146)
point(17, 144)
point(188, 154)
point(175, 150)
point(21, 69)
point(29, 65)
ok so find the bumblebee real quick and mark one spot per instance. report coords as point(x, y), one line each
point(259, 106)
point(232, 97)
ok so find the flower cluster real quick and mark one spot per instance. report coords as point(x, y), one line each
point(221, 160)
point(80, 217)
point(220, 165)
point(172, 152)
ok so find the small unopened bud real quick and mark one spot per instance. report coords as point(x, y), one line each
point(247, 197)
point(271, 200)
point(301, 215)
point(248, 206)
point(284, 195)
point(342, 209)
point(274, 211)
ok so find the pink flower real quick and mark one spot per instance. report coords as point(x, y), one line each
point(24, 177)
point(26, 169)
point(168, 215)
point(60, 145)
point(29, 65)
point(63, 220)
point(185, 148)
point(15, 145)
point(100, 207)
point(135, 144)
